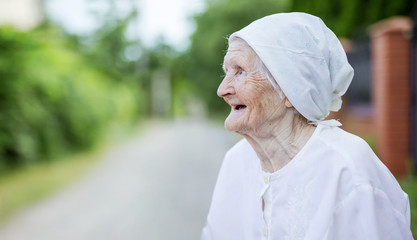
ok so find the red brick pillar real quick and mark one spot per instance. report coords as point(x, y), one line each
point(391, 89)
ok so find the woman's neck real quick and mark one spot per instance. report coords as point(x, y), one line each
point(277, 144)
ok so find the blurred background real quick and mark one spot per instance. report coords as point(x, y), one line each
point(110, 126)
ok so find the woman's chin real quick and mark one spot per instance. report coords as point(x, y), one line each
point(233, 123)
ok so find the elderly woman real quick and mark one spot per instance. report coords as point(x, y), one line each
point(296, 175)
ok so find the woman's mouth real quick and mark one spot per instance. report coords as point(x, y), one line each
point(239, 107)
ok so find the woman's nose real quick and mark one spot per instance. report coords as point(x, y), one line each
point(226, 87)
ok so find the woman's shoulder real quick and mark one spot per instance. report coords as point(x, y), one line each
point(349, 148)
point(343, 140)
point(355, 157)
point(336, 150)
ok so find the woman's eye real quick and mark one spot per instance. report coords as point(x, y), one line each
point(241, 71)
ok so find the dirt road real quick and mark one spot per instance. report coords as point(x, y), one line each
point(157, 186)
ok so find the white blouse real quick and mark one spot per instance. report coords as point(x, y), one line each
point(334, 188)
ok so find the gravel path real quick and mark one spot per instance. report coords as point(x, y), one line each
point(157, 186)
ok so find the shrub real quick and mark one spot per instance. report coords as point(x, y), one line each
point(52, 100)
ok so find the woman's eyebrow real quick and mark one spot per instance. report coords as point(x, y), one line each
point(234, 66)
point(226, 66)
point(233, 62)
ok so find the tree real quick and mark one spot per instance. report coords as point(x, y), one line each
point(351, 18)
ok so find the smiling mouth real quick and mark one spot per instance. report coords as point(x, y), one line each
point(239, 107)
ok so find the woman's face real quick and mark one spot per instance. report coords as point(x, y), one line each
point(253, 100)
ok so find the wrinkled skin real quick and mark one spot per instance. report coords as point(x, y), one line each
point(270, 124)
point(244, 85)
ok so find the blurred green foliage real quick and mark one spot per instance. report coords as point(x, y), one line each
point(126, 60)
point(52, 100)
point(351, 18)
point(223, 17)
point(108, 47)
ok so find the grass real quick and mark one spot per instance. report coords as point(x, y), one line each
point(28, 185)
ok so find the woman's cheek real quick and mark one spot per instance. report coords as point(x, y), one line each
point(257, 83)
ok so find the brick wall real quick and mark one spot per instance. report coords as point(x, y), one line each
point(391, 91)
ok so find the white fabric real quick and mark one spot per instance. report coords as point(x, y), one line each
point(304, 57)
point(330, 123)
point(334, 189)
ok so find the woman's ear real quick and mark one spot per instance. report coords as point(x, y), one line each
point(287, 103)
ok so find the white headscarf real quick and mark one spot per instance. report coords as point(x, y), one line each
point(305, 58)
